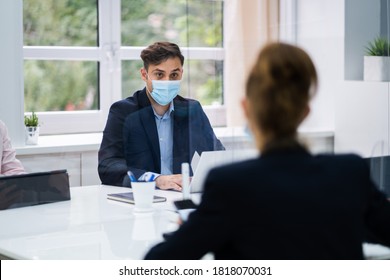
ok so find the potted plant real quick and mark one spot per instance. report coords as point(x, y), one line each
point(377, 60)
point(32, 129)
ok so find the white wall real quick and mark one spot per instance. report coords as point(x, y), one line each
point(243, 37)
point(320, 31)
point(11, 68)
point(362, 122)
point(362, 24)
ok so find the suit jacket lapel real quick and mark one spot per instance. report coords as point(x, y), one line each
point(180, 135)
point(149, 124)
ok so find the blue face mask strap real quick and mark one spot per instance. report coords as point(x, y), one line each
point(147, 78)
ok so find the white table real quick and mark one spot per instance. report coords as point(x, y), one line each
point(90, 226)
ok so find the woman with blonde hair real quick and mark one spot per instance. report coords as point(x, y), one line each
point(287, 203)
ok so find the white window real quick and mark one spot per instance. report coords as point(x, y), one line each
point(81, 56)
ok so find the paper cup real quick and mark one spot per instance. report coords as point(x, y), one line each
point(143, 196)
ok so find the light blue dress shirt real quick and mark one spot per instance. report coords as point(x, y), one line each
point(165, 137)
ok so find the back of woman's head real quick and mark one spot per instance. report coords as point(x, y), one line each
point(279, 88)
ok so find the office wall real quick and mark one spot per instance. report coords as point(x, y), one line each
point(358, 33)
point(11, 68)
point(243, 37)
point(320, 31)
point(362, 107)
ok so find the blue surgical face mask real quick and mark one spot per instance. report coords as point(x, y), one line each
point(165, 91)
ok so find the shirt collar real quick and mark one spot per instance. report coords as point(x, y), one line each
point(167, 113)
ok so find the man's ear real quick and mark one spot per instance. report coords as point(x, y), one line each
point(144, 74)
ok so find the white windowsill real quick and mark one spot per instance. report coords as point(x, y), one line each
point(67, 143)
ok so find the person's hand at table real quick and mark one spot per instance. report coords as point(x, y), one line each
point(169, 182)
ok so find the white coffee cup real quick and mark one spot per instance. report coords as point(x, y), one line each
point(143, 195)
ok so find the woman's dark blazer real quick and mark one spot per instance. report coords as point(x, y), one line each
point(286, 204)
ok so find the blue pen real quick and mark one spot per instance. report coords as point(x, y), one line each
point(151, 178)
point(131, 176)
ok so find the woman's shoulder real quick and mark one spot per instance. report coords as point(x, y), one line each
point(345, 160)
point(232, 171)
point(340, 157)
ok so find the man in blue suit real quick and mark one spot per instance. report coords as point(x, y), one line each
point(152, 132)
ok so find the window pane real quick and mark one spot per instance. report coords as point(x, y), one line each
point(202, 80)
point(131, 77)
point(60, 23)
point(189, 23)
point(60, 85)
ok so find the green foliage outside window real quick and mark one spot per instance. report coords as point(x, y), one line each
point(73, 85)
point(188, 23)
point(60, 85)
point(60, 23)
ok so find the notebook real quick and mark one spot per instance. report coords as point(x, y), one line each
point(211, 159)
point(34, 188)
point(129, 198)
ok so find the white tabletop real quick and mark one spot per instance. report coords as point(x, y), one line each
point(89, 226)
point(92, 227)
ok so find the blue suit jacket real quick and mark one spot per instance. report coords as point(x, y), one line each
point(130, 139)
point(286, 204)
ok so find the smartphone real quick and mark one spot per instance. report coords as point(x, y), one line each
point(184, 204)
point(185, 208)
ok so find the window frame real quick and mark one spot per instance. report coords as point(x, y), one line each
point(109, 54)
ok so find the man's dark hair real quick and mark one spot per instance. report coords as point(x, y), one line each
point(160, 52)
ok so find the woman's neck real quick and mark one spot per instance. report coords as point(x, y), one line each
point(282, 143)
point(265, 142)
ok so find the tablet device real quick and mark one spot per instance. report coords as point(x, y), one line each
point(34, 188)
point(129, 198)
point(184, 204)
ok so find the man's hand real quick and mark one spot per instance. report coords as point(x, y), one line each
point(169, 182)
